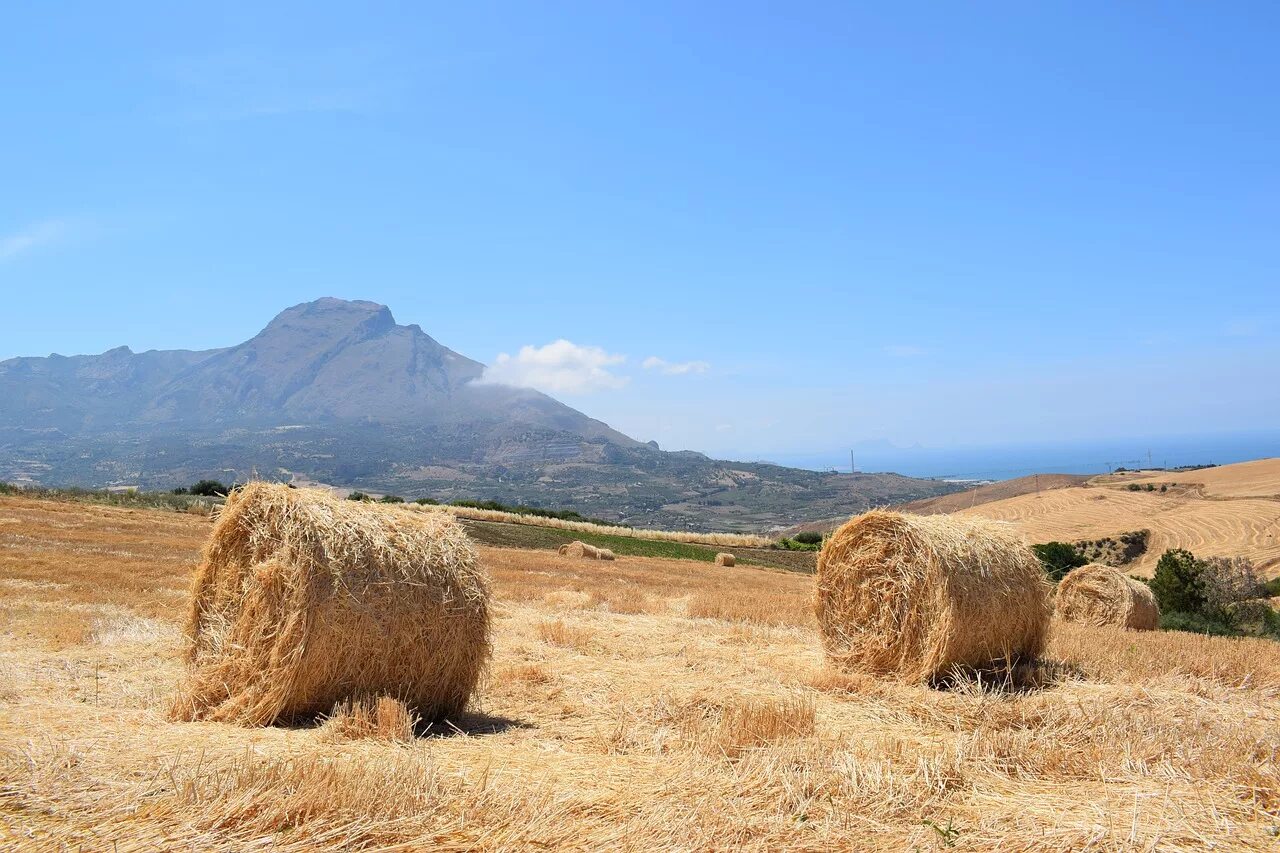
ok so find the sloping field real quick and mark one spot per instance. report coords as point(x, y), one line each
point(1244, 526)
point(1257, 479)
point(994, 492)
point(637, 705)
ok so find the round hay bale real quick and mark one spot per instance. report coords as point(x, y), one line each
point(303, 600)
point(723, 559)
point(917, 597)
point(1102, 595)
point(580, 549)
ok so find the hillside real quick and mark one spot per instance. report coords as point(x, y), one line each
point(337, 392)
point(1225, 511)
point(644, 704)
point(994, 492)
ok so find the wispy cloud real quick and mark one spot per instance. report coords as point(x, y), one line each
point(31, 238)
point(560, 367)
point(674, 368)
point(904, 350)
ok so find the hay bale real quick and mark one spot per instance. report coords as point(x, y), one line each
point(916, 597)
point(582, 549)
point(604, 554)
point(303, 601)
point(723, 559)
point(1102, 595)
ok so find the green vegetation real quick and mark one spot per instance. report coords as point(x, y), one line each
point(1220, 596)
point(1058, 558)
point(392, 499)
point(359, 496)
point(505, 535)
point(210, 489)
point(795, 543)
point(178, 502)
point(521, 509)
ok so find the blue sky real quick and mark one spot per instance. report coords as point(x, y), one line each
point(943, 223)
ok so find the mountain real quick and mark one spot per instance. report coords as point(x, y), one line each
point(336, 391)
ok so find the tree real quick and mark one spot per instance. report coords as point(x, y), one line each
point(1179, 583)
point(1058, 558)
point(209, 489)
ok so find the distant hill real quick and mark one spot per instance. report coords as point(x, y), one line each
point(1224, 511)
point(337, 392)
point(994, 492)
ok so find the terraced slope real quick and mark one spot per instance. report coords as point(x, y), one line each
point(1213, 525)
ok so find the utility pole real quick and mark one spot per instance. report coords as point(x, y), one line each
point(1037, 476)
point(853, 469)
point(1148, 457)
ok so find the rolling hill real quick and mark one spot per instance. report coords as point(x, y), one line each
point(1232, 510)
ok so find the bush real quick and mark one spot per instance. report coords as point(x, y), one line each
point(358, 496)
point(1134, 487)
point(427, 501)
point(392, 499)
point(1058, 558)
point(796, 545)
point(1196, 624)
point(1272, 587)
point(209, 489)
point(809, 537)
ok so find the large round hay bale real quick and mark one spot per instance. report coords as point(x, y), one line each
point(303, 600)
point(723, 559)
point(916, 597)
point(580, 549)
point(1102, 595)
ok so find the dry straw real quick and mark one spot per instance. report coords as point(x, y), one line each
point(723, 559)
point(303, 600)
point(582, 549)
point(1101, 595)
point(916, 597)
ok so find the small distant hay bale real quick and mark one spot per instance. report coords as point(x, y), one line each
point(1103, 596)
point(723, 559)
point(582, 549)
point(917, 598)
point(303, 601)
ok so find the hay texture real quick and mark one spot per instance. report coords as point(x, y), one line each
point(919, 597)
point(723, 559)
point(303, 601)
point(1101, 595)
point(582, 549)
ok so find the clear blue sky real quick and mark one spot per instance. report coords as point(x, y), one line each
point(942, 223)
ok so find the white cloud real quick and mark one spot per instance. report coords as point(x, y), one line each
point(674, 368)
point(904, 350)
point(31, 237)
point(561, 367)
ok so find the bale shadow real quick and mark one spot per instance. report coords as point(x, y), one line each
point(469, 724)
point(1008, 677)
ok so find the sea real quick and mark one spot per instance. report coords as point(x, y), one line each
point(984, 463)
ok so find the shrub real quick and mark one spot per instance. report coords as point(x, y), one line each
point(796, 545)
point(1058, 558)
point(1150, 487)
point(1164, 487)
point(1272, 587)
point(1134, 487)
point(427, 501)
point(1229, 580)
point(392, 499)
point(209, 489)
point(808, 537)
point(1195, 623)
point(358, 496)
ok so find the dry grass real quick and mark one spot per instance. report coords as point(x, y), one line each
point(665, 732)
point(745, 540)
point(383, 718)
point(1235, 514)
point(918, 597)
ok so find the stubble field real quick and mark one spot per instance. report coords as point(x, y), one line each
point(640, 704)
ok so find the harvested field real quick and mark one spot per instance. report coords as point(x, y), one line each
point(1206, 526)
point(640, 704)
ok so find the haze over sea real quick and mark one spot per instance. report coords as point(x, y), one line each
point(1006, 461)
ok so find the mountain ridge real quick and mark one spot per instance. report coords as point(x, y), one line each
point(337, 391)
